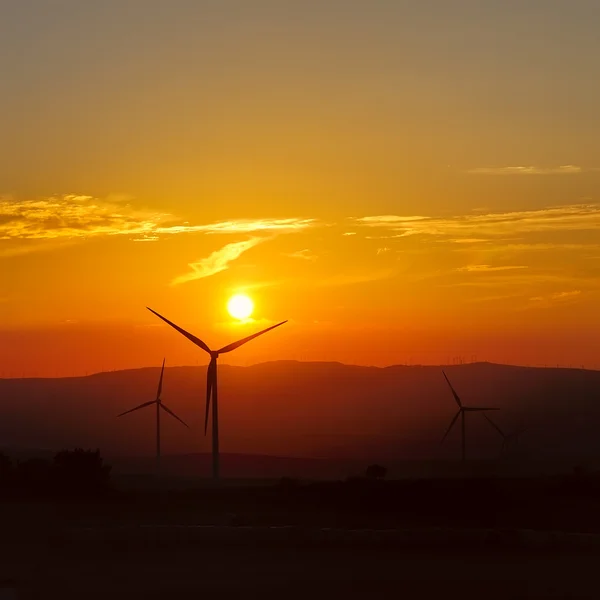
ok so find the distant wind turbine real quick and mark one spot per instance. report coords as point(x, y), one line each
point(461, 413)
point(507, 438)
point(211, 381)
point(159, 406)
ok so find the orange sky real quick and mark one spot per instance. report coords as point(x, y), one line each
point(404, 184)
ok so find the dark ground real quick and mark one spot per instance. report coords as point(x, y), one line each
point(434, 539)
point(234, 571)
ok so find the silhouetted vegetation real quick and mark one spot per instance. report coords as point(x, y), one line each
point(288, 483)
point(375, 472)
point(80, 470)
point(71, 472)
point(34, 475)
point(6, 470)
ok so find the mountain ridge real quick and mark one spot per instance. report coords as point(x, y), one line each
point(323, 363)
point(310, 409)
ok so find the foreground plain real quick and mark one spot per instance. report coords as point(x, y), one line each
point(420, 539)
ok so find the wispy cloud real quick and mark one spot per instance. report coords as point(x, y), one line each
point(218, 261)
point(146, 238)
point(556, 298)
point(72, 216)
point(492, 247)
point(574, 217)
point(489, 268)
point(305, 254)
point(522, 278)
point(388, 220)
point(566, 295)
point(28, 226)
point(468, 241)
point(242, 226)
point(529, 170)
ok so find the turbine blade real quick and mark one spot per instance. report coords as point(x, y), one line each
point(183, 332)
point(209, 386)
point(165, 408)
point(239, 343)
point(450, 426)
point(162, 372)
point(137, 408)
point(495, 427)
point(453, 391)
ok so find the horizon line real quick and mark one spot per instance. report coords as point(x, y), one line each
point(556, 366)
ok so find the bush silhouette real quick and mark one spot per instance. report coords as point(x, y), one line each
point(375, 472)
point(288, 483)
point(80, 470)
point(6, 466)
point(34, 474)
point(6, 472)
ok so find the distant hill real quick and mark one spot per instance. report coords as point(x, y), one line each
point(311, 411)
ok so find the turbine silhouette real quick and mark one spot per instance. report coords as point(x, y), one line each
point(507, 438)
point(211, 381)
point(461, 413)
point(159, 406)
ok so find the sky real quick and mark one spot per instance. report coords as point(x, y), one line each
point(405, 182)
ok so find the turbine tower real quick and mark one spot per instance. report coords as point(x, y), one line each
point(507, 438)
point(159, 406)
point(461, 413)
point(211, 382)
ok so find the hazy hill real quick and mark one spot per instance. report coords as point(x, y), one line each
point(310, 410)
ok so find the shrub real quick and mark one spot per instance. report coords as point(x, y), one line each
point(375, 472)
point(80, 470)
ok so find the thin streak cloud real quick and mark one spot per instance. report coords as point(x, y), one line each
point(218, 261)
point(304, 254)
point(242, 226)
point(574, 217)
point(387, 220)
point(556, 298)
point(529, 170)
point(489, 268)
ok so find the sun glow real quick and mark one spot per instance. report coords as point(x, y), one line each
point(240, 307)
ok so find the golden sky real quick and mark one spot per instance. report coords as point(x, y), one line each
point(403, 183)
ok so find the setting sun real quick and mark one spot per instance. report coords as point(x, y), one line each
point(240, 306)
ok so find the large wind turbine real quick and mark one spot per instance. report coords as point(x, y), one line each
point(211, 381)
point(507, 438)
point(159, 406)
point(461, 413)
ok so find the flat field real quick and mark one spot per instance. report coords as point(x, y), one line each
point(427, 539)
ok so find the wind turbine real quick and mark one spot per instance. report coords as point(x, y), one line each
point(159, 406)
point(461, 413)
point(507, 438)
point(211, 381)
